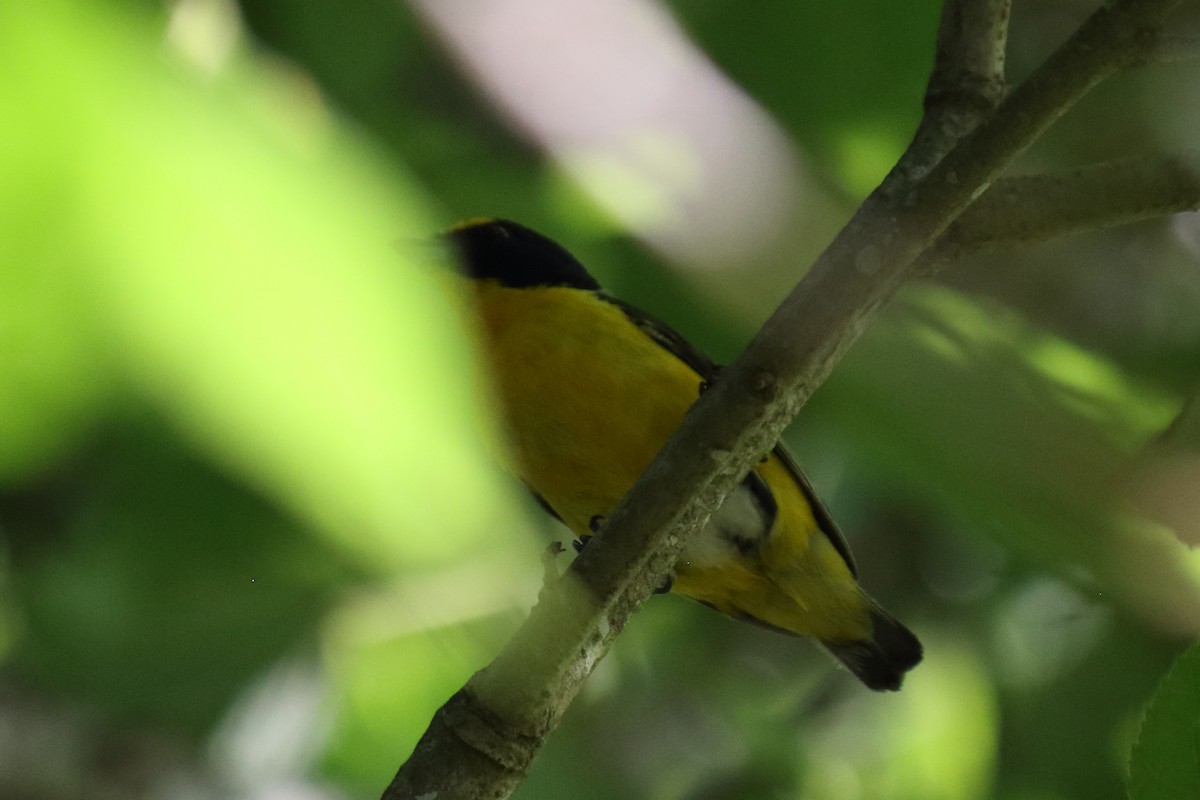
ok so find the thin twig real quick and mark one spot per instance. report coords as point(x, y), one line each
point(1169, 49)
point(1027, 210)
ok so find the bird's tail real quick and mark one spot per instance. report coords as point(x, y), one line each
point(881, 660)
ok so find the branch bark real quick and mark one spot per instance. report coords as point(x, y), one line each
point(1027, 210)
point(966, 83)
point(1168, 49)
point(483, 740)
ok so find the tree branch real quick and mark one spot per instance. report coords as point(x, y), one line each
point(506, 710)
point(1027, 210)
point(1167, 49)
point(965, 85)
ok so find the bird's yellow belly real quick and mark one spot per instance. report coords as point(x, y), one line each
point(581, 434)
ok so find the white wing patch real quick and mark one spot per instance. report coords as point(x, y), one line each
point(738, 527)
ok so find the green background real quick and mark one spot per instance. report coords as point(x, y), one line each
point(250, 533)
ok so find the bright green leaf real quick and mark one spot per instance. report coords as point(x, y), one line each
point(1165, 764)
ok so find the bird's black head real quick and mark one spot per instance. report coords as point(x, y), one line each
point(516, 256)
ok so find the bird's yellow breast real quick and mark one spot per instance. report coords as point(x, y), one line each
point(587, 397)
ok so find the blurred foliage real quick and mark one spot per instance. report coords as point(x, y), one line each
point(245, 501)
point(1163, 764)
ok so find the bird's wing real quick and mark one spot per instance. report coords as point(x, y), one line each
point(666, 337)
point(673, 342)
point(820, 513)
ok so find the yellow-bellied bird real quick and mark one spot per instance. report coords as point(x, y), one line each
point(590, 388)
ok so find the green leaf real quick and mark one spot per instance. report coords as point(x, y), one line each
point(228, 250)
point(1165, 764)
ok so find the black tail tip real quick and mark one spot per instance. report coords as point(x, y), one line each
point(881, 661)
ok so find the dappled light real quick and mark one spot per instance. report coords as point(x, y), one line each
point(1039, 439)
point(937, 740)
point(1044, 629)
point(253, 528)
point(205, 32)
point(1164, 490)
point(641, 119)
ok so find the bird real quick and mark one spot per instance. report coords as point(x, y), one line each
point(589, 388)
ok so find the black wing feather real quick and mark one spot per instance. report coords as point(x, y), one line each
point(666, 337)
